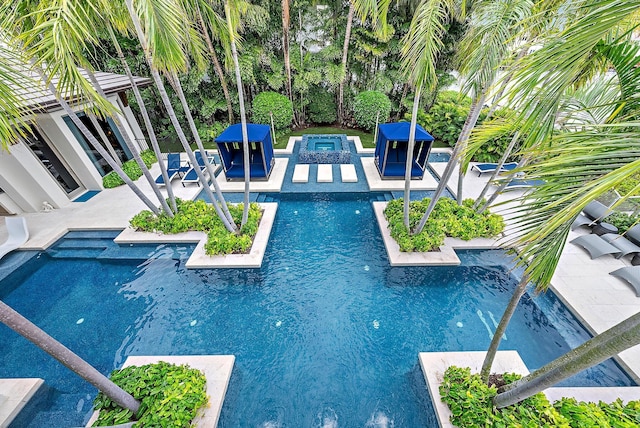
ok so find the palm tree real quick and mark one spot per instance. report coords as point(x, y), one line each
point(286, 22)
point(233, 22)
point(345, 52)
point(173, 48)
point(66, 357)
point(576, 166)
point(145, 117)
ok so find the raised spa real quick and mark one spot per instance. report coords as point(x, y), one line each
point(330, 148)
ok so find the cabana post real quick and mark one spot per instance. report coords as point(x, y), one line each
point(261, 159)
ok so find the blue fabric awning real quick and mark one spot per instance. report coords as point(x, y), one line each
point(400, 132)
point(233, 134)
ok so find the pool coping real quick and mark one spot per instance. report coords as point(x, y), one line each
point(216, 368)
point(16, 393)
point(445, 257)
point(198, 259)
point(434, 364)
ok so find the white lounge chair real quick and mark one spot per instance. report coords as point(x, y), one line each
point(18, 234)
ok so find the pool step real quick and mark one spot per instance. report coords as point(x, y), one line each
point(92, 234)
point(71, 243)
point(83, 244)
point(262, 197)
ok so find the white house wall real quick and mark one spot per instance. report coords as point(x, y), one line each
point(27, 182)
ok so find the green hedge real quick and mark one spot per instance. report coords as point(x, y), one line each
point(169, 396)
point(471, 403)
point(447, 219)
point(622, 221)
point(446, 118)
point(366, 107)
point(272, 102)
point(323, 108)
point(198, 215)
point(130, 168)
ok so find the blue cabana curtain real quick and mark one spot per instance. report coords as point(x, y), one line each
point(260, 151)
point(391, 150)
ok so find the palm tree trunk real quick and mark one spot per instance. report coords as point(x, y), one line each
point(449, 169)
point(146, 118)
point(243, 118)
point(66, 357)
point(194, 130)
point(94, 142)
point(409, 163)
point(134, 150)
point(172, 116)
point(103, 137)
point(345, 52)
point(285, 45)
point(594, 351)
point(502, 327)
point(495, 173)
point(216, 65)
point(463, 138)
point(502, 186)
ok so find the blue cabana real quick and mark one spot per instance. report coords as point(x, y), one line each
point(391, 150)
point(260, 152)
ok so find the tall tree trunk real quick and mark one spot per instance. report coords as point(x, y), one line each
point(345, 52)
point(405, 89)
point(409, 163)
point(147, 120)
point(447, 172)
point(495, 173)
point(134, 150)
point(103, 137)
point(194, 130)
point(523, 162)
point(463, 139)
point(94, 142)
point(286, 20)
point(172, 116)
point(243, 118)
point(216, 66)
point(502, 327)
point(594, 351)
point(66, 357)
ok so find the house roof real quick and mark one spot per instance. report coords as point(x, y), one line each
point(38, 100)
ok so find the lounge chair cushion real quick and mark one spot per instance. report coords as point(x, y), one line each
point(631, 274)
point(621, 243)
point(595, 245)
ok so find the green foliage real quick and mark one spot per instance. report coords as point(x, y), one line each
point(446, 118)
point(323, 108)
point(447, 219)
point(169, 396)
point(471, 404)
point(198, 215)
point(130, 168)
point(622, 221)
point(366, 107)
point(630, 185)
point(272, 102)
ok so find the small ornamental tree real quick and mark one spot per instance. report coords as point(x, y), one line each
point(366, 107)
point(267, 103)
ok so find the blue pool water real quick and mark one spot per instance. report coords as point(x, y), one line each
point(325, 331)
point(324, 145)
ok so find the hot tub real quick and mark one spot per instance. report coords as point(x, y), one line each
point(329, 148)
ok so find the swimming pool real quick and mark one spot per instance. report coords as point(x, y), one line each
point(326, 330)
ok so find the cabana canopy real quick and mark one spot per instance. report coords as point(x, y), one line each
point(391, 150)
point(260, 151)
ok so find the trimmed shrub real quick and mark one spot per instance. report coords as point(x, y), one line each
point(323, 108)
point(622, 221)
point(130, 168)
point(198, 215)
point(447, 219)
point(272, 102)
point(169, 396)
point(366, 107)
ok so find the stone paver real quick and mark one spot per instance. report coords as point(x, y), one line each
point(274, 184)
point(301, 173)
point(14, 395)
point(325, 173)
point(348, 173)
point(377, 184)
